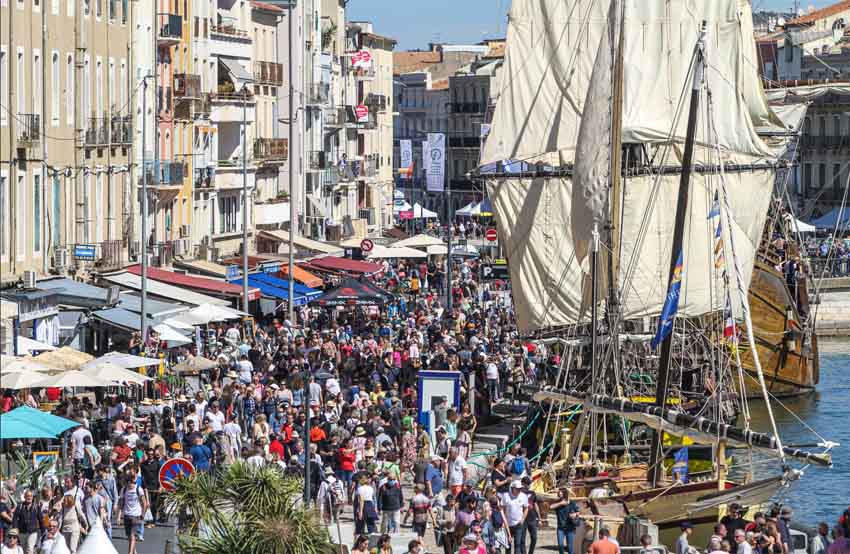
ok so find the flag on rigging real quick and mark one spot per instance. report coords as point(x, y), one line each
point(671, 305)
point(680, 465)
point(715, 207)
point(719, 255)
point(730, 329)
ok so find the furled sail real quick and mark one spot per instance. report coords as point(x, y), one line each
point(551, 52)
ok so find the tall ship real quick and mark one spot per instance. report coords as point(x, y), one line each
point(631, 164)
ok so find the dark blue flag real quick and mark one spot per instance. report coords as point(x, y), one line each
point(671, 306)
point(680, 465)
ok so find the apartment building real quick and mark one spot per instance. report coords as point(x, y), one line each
point(371, 77)
point(65, 134)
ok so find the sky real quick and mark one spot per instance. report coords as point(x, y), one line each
point(414, 23)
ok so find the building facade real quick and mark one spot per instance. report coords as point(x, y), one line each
point(65, 134)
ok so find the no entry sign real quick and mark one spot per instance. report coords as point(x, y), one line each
point(366, 245)
point(172, 469)
point(491, 234)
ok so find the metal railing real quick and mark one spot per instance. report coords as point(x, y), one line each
point(230, 30)
point(97, 132)
point(170, 27)
point(331, 176)
point(378, 101)
point(363, 73)
point(203, 105)
point(29, 129)
point(268, 73)
point(464, 142)
point(171, 173)
point(334, 117)
point(121, 129)
point(468, 107)
point(319, 93)
point(204, 177)
point(271, 149)
point(110, 255)
point(187, 85)
point(162, 254)
point(316, 160)
point(227, 93)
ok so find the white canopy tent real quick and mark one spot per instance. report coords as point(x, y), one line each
point(420, 240)
point(171, 335)
point(71, 378)
point(404, 206)
point(799, 226)
point(119, 359)
point(382, 252)
point(108, 371)
point(423, 213)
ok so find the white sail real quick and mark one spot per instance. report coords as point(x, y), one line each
point(551, 51)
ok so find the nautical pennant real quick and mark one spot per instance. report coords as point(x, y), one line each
point(719, 255)
point(730, 329)
point(671, 305)
point(715, 207)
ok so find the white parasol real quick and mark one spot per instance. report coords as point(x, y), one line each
point(120, 359)
point(11, 364)
point(22, 380)
point(107, 371)
point(71, 378)
point(29, 345)
point(170, 335)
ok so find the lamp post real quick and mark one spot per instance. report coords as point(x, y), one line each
point(291, 307)
point(245, 198)
point(143, 327)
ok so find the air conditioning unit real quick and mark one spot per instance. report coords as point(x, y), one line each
point(60, 259)
point(184, 231)
point(29, 280)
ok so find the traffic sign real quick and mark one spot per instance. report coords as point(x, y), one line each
point(172, 469)
point(366, 245)
point(491, 234)
point(84, 252)
point(362, 113)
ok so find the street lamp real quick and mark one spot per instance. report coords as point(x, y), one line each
point(245, 197)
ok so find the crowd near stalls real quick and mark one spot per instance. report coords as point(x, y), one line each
point(341, 386)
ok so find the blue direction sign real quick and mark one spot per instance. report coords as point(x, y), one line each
point(270, 267)
point(232, 272)
point(84, 252)
point(172, 469)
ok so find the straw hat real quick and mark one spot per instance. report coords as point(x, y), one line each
point(147, 402)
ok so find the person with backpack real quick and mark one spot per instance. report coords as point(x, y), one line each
point(91, 458)
point(331, 496)
point(132, 505)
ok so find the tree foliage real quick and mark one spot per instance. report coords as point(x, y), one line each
point(243, 509)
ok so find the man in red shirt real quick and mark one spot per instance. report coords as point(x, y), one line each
point(276, 448)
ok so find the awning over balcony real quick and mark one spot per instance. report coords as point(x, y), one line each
point(301, 243)
point(238, 74)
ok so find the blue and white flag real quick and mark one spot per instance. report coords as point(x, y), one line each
point(715, 207)
point(680, 465)
point(671, 306)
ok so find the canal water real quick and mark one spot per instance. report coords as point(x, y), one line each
point(822, 494)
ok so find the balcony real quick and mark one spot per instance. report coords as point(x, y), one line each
point(330, 176)
point(204, 177)
point(363, 73)
point(376, 101)
point(334, 117)
point(271, 150)
point(227, 29)
point(170, 29)
point(97, 132)
point(464, 142)
point(468, 107)
point(171, 173)
point(319, 94)
point(316, 160)
point(268, 73)
point(110, 255)
point(187, 86)
point(226, 92)
point(29, 130)
point(364, 169)
point(203, 106)
point(121, 129)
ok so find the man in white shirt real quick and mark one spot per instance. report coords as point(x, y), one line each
point(246, 370)
point(741, 540)
point(78, 444)
point(216, 417)
point(455, 472)
point(332, 386)
point(516, 510)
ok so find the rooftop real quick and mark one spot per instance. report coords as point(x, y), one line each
point(822, 13)
point(266, 7)
point(411, 62)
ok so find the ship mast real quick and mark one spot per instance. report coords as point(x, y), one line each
point(656, 466)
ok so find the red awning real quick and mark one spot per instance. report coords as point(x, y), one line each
point(206, 285)
point(355, 267)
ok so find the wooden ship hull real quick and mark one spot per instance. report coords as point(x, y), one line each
point(789, 356)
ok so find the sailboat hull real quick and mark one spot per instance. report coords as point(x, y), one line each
point(789, 358)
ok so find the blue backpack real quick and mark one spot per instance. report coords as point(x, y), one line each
point(518, 466)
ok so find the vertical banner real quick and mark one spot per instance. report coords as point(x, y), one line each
point(425, 157)
point(405, 168)
point(436, 172)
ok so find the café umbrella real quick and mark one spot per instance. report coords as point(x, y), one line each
point(26, 344)
point(108, 371)
point(22, 380)
point(127, 361)
point(73, 378)
point(28, 423)
point(21, 365)
point(64, 358)
point(198, 363)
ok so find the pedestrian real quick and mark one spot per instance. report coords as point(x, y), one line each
point(27, 523)
point(533, 518)
point(821, 542)
point(12, 544)
point(132, 504)
point(420, 508)
point(567, 520)
point(682, 544)
point(365, 512)
point(741, 540)
point(516, 511)
point(390, 502)
point(604, 545)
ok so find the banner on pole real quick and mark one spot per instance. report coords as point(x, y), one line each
point(405, 168)
point(425, 157)
point(436, 172)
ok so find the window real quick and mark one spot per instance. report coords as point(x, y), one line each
point(54, 89)
point(111, 92)
point(124, 10)
point(69, 89)
point(36, 5)
point(19, 80)
point(86, 7)
point(807, 176)
point(4, 85)
point(98, 8)
point(57, 212)
point(20, 208)
point(37, 80)
point(36, 212)
point(87, 107)
point(98, 203)
point(836, 126)
point(822, 175)
point(836, 181)
point(99, 86)
point(88, 207)
point(4, 208)
point(122, 76)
